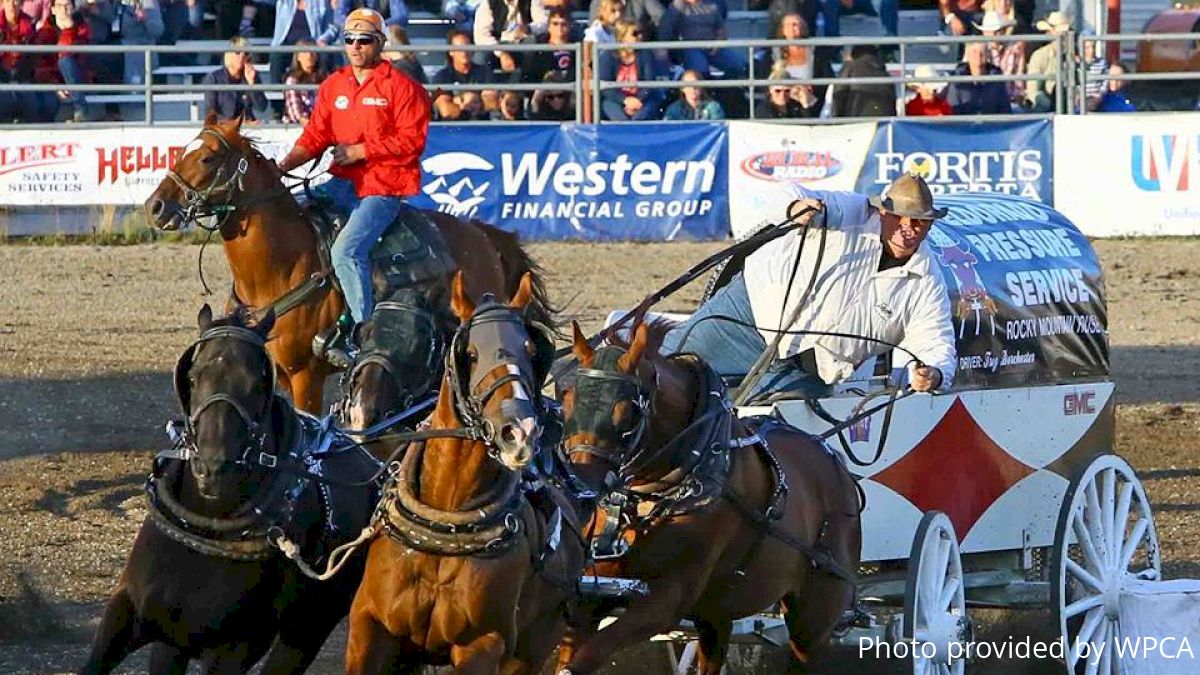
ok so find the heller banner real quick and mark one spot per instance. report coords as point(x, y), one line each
point(1026, 293)
point(1013, 158)
point(645, 181)
point(764, 157)
point(1129, 174)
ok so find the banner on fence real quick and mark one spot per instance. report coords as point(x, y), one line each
point(763, 157)
point(651, 181)
point(1013, 158)
point(1026, 293)
point(1129, 174)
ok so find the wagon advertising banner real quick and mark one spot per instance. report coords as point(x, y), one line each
point(1129, 174)
point(645, 181)
point(763, 157)
point(1013, 158)
point(1026, 293)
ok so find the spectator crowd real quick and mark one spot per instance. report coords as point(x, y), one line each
point(474, 84)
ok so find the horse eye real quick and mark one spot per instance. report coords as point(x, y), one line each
point(207, 159)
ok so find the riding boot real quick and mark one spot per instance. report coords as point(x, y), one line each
point(336, 345)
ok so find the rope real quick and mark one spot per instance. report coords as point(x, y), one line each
point(337, 558)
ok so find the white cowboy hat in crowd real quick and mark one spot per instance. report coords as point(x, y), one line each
point(1054, 22)
point(992, 21)
point(923, 72)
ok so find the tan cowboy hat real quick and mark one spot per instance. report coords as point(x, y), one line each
point(1055, 21)
point(992, 21)
point(908, 196)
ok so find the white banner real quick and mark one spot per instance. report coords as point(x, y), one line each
point(764, 157)
point(107, 166)
point(1129, 174)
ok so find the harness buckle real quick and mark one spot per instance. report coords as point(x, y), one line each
point(268, 460)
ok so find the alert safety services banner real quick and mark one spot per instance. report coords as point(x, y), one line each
point(765, 157)
point(1129, 174)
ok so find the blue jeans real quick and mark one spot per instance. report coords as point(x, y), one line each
point(889, 14)
point(733, 62)
point(731, 349)
point(366, 220)
point(68, 67)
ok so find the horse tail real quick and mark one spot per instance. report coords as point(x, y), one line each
point(516, 261)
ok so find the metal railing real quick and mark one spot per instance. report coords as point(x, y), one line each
point(588, 88)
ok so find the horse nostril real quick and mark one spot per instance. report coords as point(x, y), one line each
point(512, 434)
point(156, 207)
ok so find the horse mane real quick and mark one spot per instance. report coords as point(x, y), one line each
point(516, 261)
point(656, 333)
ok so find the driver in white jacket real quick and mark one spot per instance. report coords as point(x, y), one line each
point(877, 279)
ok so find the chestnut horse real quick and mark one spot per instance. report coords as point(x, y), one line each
point(729, 517)
point(202, 581)
point(475, 571)
point(272, 249)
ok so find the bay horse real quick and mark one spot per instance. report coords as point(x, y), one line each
point(475, 571)
point(728, 516)
point(273, 250)
point(202, 580)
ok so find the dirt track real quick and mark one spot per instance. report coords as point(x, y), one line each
point(88, 336)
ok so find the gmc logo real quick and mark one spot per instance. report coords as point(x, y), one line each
point(1083, 403)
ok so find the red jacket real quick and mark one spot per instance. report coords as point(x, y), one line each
point(919, 107)
point(389, 113)
point(51, 34)
point(20, 33)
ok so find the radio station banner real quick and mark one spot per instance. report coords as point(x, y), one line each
point(623, 182)
point(1026, 292)
point(1129, 174)
point(765, 157)
point(1013, 158)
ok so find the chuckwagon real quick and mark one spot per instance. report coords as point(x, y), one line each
point(1003, 492)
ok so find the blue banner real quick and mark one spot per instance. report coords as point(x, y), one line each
point(617, 182)
point(1013, 158)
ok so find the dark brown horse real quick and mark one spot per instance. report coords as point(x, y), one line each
point(272, 249)
point(725, 525)
point(202, 581)
point(474, 571)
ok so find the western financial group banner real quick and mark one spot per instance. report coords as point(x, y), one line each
point(1014, 158)
point(1026, 293)
point(637, 181)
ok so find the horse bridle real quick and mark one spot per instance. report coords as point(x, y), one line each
point(642, 401)
point(257, 431)
point(196, 200)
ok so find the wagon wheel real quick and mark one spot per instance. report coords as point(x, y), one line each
point(935, 608)
point(1105, 540)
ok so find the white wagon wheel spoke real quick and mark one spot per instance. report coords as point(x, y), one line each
point(1095, 521)
point(1108, 481)
point(1090, 624)
point(935, 603)
point(1083, 575)
point(948, 593)
point(1079, 607)
point(1083, 535)
point(1093, 663)
point(1135, 538)
point(1121, 519)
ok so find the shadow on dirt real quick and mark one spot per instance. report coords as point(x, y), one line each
point(1152, 374)
point(30, 617)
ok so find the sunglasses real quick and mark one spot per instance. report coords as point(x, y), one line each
point(360, 40)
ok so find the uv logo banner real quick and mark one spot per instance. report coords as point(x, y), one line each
point(646, 181)
point(1012, 158)
point(1026, 293)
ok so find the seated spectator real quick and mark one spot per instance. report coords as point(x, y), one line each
point(1021, 17)
point(645, 13)
point(807, 10)
point(16, 28)
point(237, 69)
point(306, 69)
point(37, 10)
point(404, 61)
point(512, 107)
point(561, 61)
point(141, 24)
point(64, 27)
point(301, 21)
point(1009, 57)
point(629, 66)
point(864, 100)
point(508, 21)
point(1039, 94)
point(785, 101)
point(802, 61)
point(693, 103)
point(1116, 95)
point(1095, 64)
point(977, 98)
point(462, 13)
point(929, 101)
point(182, 19)
point(702, 20)
point(552, 106)
point(960, 16)
point(576, 29)
point(834, 10)
point(466, 106)
point(601, 28)
point(99, 16)
point(459, 69)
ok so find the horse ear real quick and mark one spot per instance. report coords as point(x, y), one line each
point(211, 119)
point(204, 318)
point(641, 337)
point(460, 303)
point(581, 349)
point(524, 292)
point(266, 324)
point(237, 124)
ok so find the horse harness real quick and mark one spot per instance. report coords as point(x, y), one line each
point(701, 479)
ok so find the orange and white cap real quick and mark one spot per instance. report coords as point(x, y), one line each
point(365, 20)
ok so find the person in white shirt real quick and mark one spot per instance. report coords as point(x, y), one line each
point(877, 279)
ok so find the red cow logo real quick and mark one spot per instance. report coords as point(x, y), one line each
point(973, 298)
